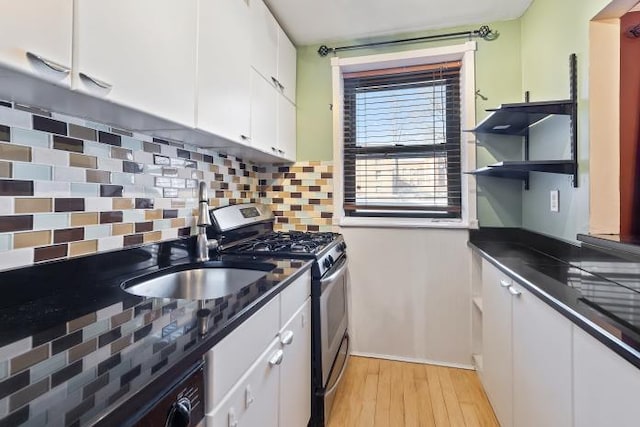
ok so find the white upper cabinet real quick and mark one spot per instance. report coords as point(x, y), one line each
point(272, 53)
point(264, 117)
point(264, 41)
point(286, 66)
point(37, 38)
point(286, 129)
point(224, 69)
point(273, 112)
point(140, 54)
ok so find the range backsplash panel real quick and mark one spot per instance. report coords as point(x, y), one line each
point(300, 195)
point(71, 187)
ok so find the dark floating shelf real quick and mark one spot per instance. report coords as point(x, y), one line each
point(516, 119)
point(520, 169)
point(550, 166)
point(498, 172)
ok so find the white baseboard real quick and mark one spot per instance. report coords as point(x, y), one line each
point(414, 360)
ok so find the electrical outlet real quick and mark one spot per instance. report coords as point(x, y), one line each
point(554, 200)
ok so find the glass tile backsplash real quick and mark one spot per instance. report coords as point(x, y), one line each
point(105, 188)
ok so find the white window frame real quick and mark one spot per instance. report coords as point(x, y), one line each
point(462, 52)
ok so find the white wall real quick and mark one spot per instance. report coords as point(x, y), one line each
point(410, 294)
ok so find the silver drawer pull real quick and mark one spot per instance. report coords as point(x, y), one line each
point(275, 81)
point(280, 151)
point(514, 291)
point(232, 418)
point(274, 149)
point(97, 82)
point(286, 338)
point(244, 137)
point(504, 283)
point(58, 68)
point(280, 85)
point(276, 359)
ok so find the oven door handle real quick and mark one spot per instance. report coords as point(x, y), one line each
point(342, 371)
point(325, 281)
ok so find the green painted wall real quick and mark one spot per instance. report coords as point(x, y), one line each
point(551, 31)
point(498, 76)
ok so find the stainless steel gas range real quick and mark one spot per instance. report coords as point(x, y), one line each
point(247, 230)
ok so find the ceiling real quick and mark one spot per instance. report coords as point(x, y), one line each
point(315, 21)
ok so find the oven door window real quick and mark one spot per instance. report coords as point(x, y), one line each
point(336, 310)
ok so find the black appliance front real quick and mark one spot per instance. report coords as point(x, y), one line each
point(180, 406)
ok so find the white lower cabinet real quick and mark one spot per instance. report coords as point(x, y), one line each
point(260, 374)
point(541, 363)
point(497, 358)
point(295, 371)
point(606, 387)
point(253, 401)
point(231, 357)
point(526, 355)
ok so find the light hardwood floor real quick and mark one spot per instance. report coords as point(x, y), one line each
point(377, 392)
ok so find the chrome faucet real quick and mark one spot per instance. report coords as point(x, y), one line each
point(203, 244)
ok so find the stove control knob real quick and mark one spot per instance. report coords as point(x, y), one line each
point(331, 260)
point(342, 246)
point(180, 414)
point(327, 263)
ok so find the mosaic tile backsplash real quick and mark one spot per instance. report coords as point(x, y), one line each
point(70, 187)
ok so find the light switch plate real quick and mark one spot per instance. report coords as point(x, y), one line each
point(554, 200)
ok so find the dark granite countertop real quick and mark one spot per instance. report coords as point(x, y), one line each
point(622, 245)
point(75, 349)
point(597, 290)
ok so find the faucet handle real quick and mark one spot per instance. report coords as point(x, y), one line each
point(203, 215)
point(203, 194)
point(203, 205)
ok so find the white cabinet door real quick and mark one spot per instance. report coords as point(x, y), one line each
point(496, 342)
point(264, 40)
point(141, 54)
point(230, 358)
point(286, 129)
point(287, 65)
point(606, 387)
point(253, 401)
point(224, 79)
point(264, 117)
point(295, 371)
point(542, 381)
point(42, 28)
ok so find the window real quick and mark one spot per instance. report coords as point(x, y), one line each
point(402, 151)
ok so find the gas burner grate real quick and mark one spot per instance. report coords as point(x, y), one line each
point(288, 242)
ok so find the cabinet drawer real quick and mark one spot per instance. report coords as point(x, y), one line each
point(253, 401)
point(294, 296)
point(232, 356)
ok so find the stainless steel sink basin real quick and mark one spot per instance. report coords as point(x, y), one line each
point(206, 282)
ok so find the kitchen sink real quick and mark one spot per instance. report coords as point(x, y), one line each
point(197, 282)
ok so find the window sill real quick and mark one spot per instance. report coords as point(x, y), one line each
point(405, 223)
